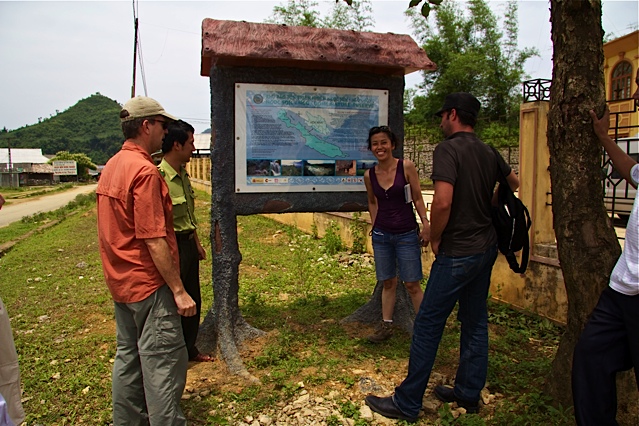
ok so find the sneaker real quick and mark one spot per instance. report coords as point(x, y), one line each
point(447, 394)
point(384, 332)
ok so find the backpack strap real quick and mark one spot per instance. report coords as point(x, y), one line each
point(501, 177)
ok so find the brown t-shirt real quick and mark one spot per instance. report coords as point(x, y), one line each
point(470, 166)
point(133, 204)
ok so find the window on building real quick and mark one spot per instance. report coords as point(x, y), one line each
point(620, 82)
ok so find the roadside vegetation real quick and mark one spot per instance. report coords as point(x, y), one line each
point(39, 221)
point(290, 287)
point(10, 193)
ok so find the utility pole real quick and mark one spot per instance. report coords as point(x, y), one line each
point(10, 165)
point(135, 51)
point(9, 153)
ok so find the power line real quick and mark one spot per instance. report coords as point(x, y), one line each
point(142, 70)
point(196, 120)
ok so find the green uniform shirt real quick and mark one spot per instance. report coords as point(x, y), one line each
point(182, 196)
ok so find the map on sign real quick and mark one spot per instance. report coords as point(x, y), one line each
point(304, 138)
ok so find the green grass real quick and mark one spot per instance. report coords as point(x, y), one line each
point(19, 229)
point(11, 193)
point(62, 318)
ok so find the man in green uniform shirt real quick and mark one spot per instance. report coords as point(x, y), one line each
point(177, 148)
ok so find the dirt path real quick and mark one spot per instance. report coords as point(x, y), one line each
point(18, 208)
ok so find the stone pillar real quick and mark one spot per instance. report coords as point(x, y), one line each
point(541, 290)
point(534, 175)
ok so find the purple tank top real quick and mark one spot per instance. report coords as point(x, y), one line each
point(394, 214)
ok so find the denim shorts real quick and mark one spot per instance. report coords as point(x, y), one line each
point(395, 252)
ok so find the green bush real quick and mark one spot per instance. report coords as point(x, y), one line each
point(358, 231)
point(332, 241)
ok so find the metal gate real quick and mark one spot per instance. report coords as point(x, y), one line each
point(618, 194)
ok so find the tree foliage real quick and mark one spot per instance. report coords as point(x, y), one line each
point(90, 127)
point(301, 13)
point(473, 54)
point(357, 16)
point(424, 10)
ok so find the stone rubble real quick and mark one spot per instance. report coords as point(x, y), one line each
point(324, 410)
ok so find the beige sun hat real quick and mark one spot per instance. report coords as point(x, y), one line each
point(142, 106)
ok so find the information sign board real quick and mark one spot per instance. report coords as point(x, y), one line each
point(65, 168)
point(304, 138)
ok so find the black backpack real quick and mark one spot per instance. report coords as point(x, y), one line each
point(512, 222)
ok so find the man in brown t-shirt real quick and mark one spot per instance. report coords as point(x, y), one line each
point(462, 237)
point(141, 267)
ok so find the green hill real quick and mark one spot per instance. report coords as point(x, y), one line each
point(91, 127)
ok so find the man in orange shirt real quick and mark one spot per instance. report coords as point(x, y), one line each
point(141, 267)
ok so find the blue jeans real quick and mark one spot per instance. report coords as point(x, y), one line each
point(397, 251)
point(465, 279)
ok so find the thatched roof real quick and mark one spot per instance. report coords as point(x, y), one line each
point(233, 43)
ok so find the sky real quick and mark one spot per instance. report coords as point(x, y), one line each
point(53, 53)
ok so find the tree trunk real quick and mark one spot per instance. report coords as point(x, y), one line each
point(586, 240)
point(224, 327)
point(371, 312)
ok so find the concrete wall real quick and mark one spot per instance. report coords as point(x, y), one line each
point(540, 291)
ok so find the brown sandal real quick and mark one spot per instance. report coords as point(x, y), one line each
point(202, 358)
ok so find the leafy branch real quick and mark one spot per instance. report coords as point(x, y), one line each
point(426, 7)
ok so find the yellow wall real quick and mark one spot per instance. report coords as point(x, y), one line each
point(534, 174)
point(624, 48)
point(199, 169)
point(541, 290)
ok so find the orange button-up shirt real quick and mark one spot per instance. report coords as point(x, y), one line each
point(133, 204)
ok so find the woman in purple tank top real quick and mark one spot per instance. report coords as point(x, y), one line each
point(393, 188)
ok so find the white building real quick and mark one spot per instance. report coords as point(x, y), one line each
point(24, 166)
